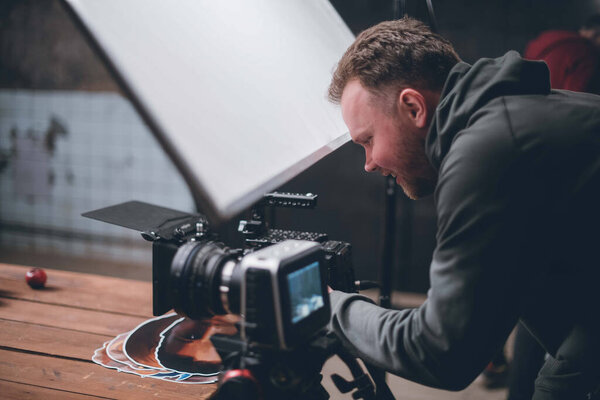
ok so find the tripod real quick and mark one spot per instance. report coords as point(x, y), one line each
point(253, 373)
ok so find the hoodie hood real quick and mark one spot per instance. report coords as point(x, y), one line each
point(469, 88)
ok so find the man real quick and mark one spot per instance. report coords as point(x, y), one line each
point(573, 57)
point(515, 170)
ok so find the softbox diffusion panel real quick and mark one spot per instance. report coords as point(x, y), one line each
point(235, 91)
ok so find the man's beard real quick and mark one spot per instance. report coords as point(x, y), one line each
point(419, 188)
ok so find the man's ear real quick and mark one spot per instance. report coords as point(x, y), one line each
point(413, 106)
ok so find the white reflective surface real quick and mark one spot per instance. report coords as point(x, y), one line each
point(235, 89)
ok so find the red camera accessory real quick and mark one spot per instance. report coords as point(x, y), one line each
point(239, 384)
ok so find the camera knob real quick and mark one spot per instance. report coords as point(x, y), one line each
point(239, 384)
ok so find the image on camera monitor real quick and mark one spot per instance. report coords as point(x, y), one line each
point(305, 291)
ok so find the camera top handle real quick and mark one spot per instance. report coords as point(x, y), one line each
point(258, 225)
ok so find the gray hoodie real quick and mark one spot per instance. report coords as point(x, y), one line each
point(517, 201)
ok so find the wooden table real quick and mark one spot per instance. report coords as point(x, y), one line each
point(48, 337)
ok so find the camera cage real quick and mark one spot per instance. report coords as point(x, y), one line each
point(168, 229)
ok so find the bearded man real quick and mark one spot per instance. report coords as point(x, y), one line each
point(515, 170)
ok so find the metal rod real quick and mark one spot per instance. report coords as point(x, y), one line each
point(389, 239)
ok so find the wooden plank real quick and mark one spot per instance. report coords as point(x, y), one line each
point(80, 290)
point(20, 391)
point(98, 322)
point(50, 340)
point(89, 378)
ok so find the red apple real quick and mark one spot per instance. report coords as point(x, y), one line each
point(36, 278)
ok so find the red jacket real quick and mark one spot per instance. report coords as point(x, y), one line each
point(574, 62)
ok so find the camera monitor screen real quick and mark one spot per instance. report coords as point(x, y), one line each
point(235, 91)
point(305, 292)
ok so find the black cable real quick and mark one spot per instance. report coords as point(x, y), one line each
point(399, 9)
point(361, 383)
point(432, 20)
point(389, 241)
point(383, 391)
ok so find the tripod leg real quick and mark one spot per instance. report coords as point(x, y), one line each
point(383, 391)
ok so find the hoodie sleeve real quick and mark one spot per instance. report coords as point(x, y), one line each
point(476, 271)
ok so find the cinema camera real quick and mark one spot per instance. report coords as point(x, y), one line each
point(277, 284)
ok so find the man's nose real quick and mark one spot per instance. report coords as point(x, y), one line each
point(370, 166)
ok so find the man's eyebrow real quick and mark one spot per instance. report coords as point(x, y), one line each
point(361, 137)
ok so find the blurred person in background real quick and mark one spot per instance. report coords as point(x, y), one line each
point(572, 57)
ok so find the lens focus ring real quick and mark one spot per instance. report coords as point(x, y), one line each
point(196, 279)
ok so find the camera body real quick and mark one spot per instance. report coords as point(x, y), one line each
point(284, 298)
point(277, 283)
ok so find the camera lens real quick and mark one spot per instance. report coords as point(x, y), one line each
point(203, 280)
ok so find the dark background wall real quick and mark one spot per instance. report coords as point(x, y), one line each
point(41, 49)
